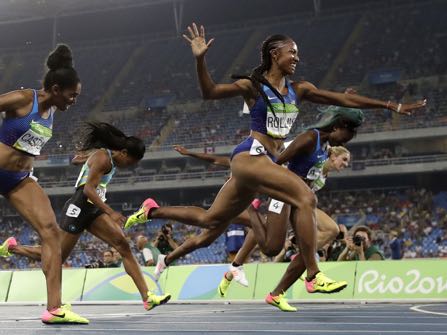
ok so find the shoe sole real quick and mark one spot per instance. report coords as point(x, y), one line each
point(165, 300)
point(282, 310)
point(64, 323)
point(338, 289)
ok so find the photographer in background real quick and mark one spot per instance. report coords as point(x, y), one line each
point(164, 240)
point(148, 251)
point(108, 261)
point(289, 250)
point(360, 247)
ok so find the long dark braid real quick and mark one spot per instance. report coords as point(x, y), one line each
point(257, 74)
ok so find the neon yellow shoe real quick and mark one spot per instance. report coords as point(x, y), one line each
point(155, 300)
point(280, 302)
point(6, 246)
point(324, 284)
point(63, 315)
point(142, 215)
point(223, 286)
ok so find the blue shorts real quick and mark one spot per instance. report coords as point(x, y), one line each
point(10, 179)
point(254, 147)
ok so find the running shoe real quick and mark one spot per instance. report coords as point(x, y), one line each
point(160, 267)
point(223, 286)
point(280, 302)
point(143, 214)
point(6, 246)
point(239, 275)
point(63, 315)
point(324, 284)
point(155, 300)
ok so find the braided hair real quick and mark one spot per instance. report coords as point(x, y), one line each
point(98, 135)
point(257, 74)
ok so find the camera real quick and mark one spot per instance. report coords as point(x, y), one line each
point(357, 239)
point(165, 230)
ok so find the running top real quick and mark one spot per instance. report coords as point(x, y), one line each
point(264, 121)
point(310, 167)
point(105, 179)
point(28, 133)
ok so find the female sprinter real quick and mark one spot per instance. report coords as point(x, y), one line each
point(25, 130)
point(86, 209)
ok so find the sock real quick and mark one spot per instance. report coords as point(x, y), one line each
point(311, 278)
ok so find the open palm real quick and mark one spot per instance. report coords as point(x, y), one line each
point(408, 109)
point(196, 38)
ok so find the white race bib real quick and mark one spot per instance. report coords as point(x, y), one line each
point(73, 211)
point(33, 140)
point(257, 148)
point(276, 206)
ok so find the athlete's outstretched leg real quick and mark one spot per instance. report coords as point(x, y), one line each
point(204, 239)
point(68, 241)
point(110, 232)
point(29, 199)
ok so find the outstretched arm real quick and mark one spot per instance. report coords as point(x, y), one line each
point(211, 90)
point(308, 91)
point(213, 159)
point(303, 143)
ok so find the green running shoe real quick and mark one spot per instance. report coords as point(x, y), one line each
point(63, 315)
point(280, 302)
point(155, 300)
point(323, 284)
point(142, 215)
point(223, 286)
point(6, 246)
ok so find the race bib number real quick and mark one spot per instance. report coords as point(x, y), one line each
point(276, 206)
point(73, 211)
point(314, 173)
point(33, 140)
point(257, 148)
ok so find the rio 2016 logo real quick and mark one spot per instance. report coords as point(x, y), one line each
point(412, 283)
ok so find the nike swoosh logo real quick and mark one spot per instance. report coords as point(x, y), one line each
point(271, 98)
point(139, 215)
point(59, 316)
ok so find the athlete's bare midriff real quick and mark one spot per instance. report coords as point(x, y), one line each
point(14, 160)
point(272, 145)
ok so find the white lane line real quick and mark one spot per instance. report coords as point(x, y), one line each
point(420, 310)
point(242, 322)
point(226, 331)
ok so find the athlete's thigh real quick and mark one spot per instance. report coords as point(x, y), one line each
point(261, 175)
point(324, 221)
point(214, 233)
point(68, 242)
point(32, 203)
point(243, 218)
point(277, 220)
point(232, 199)
point(107, 230)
